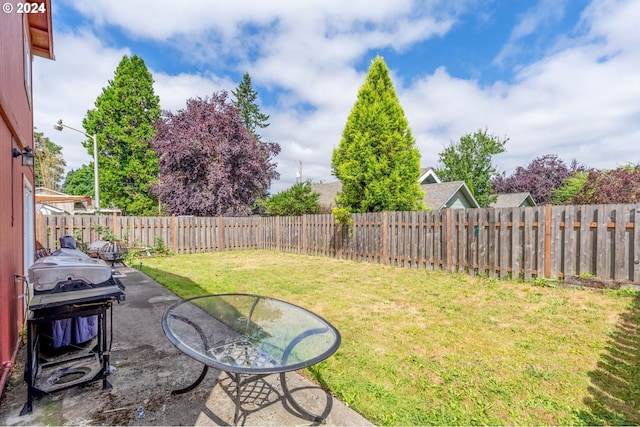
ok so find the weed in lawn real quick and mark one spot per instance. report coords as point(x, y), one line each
point(533, 372)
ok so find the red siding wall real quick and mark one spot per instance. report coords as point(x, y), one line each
point(16, 131)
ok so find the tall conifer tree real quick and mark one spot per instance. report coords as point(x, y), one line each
point(244, 99)
point(377, 160)
point(123, 119)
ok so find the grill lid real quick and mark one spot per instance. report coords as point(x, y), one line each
point(67, 265)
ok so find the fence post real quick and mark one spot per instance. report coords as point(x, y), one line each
point(303, 230)
point(39, 229)
point(385, 225)
point(547, 242)
point(220, 234)
point(448, 241)
point(174, 234)
point(113, 226)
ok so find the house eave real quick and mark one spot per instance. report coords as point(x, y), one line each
point(41, 31)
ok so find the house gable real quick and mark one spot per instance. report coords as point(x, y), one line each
point(514, 200)
point(428, 176)
point(454, 195)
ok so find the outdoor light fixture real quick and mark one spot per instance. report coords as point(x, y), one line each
point(96, 188)
point(28, 157)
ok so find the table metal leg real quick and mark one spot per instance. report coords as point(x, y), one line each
point(205, 369)
point(238, 381)
point(309, 415)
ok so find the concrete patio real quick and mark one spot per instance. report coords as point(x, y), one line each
point(148, 367)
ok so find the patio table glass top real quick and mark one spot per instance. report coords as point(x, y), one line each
point(249, 334)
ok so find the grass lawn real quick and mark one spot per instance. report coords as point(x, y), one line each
point(429, 348)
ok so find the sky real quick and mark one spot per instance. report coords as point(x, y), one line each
point(552, 76)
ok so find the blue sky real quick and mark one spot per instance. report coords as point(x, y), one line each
point(554, 76)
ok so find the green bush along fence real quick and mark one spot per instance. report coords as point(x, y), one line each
point(552, 242)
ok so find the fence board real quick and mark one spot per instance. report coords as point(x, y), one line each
point(621, 262)
point(503, 239)
point(528, 244)
point(556, 241)
point(634, 244)
point(569, 262)
point(516, 244)
point(473, 232)
point(463, 241)
point(602, 255)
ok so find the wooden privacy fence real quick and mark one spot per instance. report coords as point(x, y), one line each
point(552, 242)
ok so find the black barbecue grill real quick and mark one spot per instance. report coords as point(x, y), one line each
point(72, 294)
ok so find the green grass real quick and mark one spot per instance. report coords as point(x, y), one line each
point(429, 348)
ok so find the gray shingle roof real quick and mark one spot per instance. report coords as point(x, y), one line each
point(513, 200)
point(436, 195)
point(328, 192)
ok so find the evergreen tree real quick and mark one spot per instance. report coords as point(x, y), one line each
point(470, 160)
point(377, 160)
point(245, 101)
point(49, 163)
point(123, 119)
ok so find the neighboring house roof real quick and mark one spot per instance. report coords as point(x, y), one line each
point(328, 192)
point(428, 176)
point(514, 200)
point(455, 195)
point(65, 202)
point(441, 195)
point(50, 197)
point(50, 210)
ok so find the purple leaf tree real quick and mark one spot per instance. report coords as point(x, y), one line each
point(620, 185)
point(209, 163)
point(539, 178)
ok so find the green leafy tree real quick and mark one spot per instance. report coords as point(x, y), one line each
point(470, 160)
point(79, 182)
point(49, 163)
point(571, 187)
point(123, 119)
point(377, 160)
point(244, 99)
point(300, 199)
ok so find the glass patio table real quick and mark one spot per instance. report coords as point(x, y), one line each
point(249, 337)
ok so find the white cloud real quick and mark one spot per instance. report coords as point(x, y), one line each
point(174, 91)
